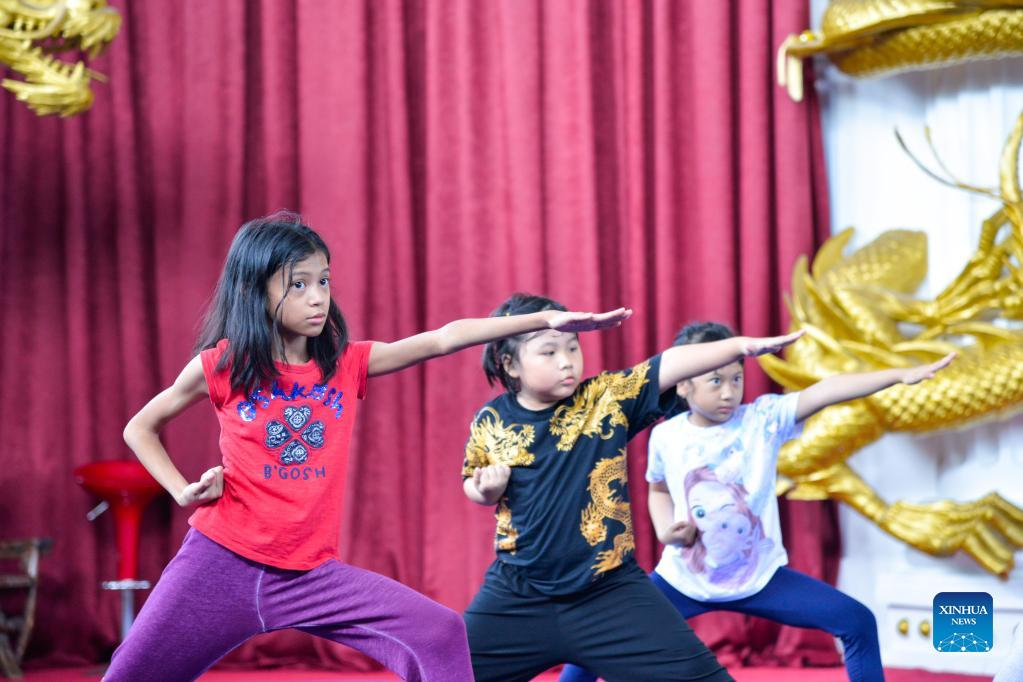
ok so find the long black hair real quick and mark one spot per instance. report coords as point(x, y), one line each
point(240, 311)
point(697, 332)
point(495, 351)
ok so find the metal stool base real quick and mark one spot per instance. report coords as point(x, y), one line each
point(127, 589)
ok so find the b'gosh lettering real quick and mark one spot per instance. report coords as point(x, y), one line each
point(293, 473)
point(258, 399)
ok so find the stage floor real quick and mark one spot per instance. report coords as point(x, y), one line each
point(279, 675)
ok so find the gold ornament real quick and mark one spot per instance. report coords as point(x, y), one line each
point(32, 32)
point(859, 315)
point(606, 504)
point(491, 442)
point(599, 400)
point(876, 37)
point(505, 533)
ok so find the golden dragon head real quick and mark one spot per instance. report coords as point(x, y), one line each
point(32, 33)
point(860, 313)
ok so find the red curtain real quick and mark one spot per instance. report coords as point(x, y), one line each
point(603, 153)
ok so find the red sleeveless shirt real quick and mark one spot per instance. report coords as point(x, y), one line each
point(285, 456)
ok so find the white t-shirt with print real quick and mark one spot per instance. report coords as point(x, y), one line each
point(722, 478)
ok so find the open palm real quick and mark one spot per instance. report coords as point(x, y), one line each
point(771, 344)
point(585, 322)
point(915, 375)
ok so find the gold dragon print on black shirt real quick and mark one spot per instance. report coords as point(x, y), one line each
point(505, 534)
point(563, 519)
point(607, 504)
point(491, 442)
point(593, 403)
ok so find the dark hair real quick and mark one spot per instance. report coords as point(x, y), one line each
point(238, 310)
point(697, 332)
point(702, 332)
point(494, 352)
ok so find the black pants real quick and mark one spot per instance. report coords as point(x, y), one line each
point(622, 629)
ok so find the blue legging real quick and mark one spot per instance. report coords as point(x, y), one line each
point(795, 599)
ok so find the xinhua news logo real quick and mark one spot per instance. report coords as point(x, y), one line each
point(963, 622)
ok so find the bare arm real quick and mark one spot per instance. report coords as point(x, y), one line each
point(684, 362)
point(460, 334)
point(842, 387)
point(662, 513)
point(142, 434)
point(487, 484)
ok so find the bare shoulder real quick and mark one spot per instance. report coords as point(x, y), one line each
point(192, 380)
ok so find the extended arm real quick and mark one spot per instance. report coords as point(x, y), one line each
point(683, 362)
point(460, 334)
point(842, 387)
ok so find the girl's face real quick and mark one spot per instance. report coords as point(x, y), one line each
point(548, 367)
point(713, 397)
point(305, 292)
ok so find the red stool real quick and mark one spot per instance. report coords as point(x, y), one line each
point(127, 487)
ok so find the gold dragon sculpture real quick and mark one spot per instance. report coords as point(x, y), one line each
point(875, 37)
point(32, 32)
point(859, 315)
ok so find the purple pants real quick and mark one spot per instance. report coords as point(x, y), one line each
point(209, 600)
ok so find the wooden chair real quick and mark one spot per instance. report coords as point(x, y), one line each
point(15, 630)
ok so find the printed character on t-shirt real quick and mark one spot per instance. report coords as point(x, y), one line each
point(731, 538)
